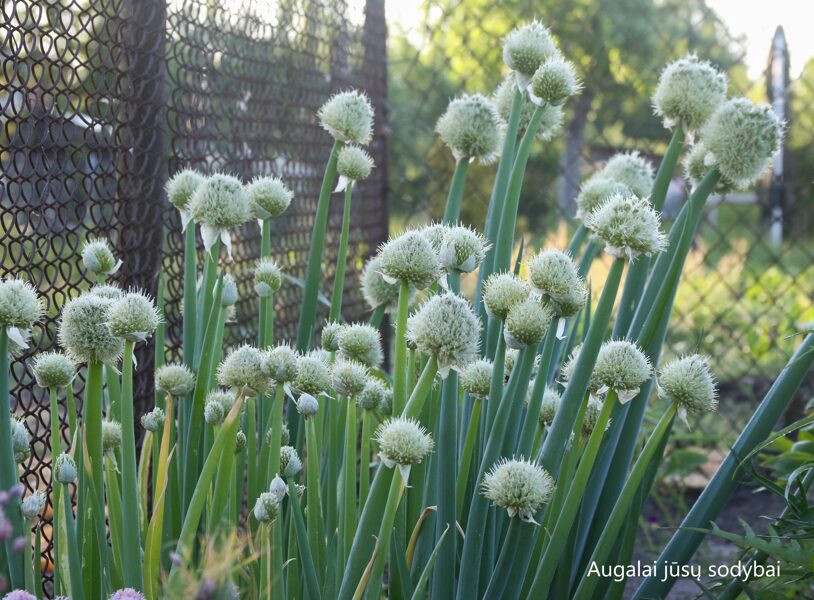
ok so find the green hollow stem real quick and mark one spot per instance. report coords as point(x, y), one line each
point(94, 518)
point(364, 456)
point(558, 542)
point(619, 514)
point(276, 435)
point(385, 531)
point(74, 558)
point(529, 428)
point(308, 309)
point(421, 390)
point(308, 567)
point(377, 315)
point(400, 350)
point(497, 583)
point(265, 329)
point(727, 478)
point(466, 457)
point(190, 305)
point(313, 501)
point(443, 582)
point(349, 478)
point(452, 212)
point(576, 240)
point(495, 386)
point(56, 489)
point(131, 546)
point(341, 259)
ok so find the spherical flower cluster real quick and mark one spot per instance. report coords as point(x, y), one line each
point(240, 442)
point(181, 186)
point(174, 379)
point(596, 191)
point(620, 367)
point(688, 382)
point(696, 168)
point(84, 333)
point(65, 469)
point(228, 294)
point(526, 47)
point(510, 360)
point(348, 117)
point(446, 327)
point(550, 122)
point(111, 291)
point(281, 364)
point(633, 170)
point(216, 406)
point(434, 233)
point(98, 258)
point(362, 343)
point(353, 163)
point(549, 405)
point(462, 249)
point(307, 405)
point(741, 137)
point(411, 258)
point(476, 378)
point(591, 417)
point(127, 594)
point(688, 92)
point(374, 394)
point(554, 82)
point(244, 369)
point(268, 278)
point(520, 486)
point(526, 324)
point(501, 291)
point(554, 275)
point(220, 203)
point(349, 377)
point(153, 420)
point(19, 305)
point(313, 376)
point(19, 595)
point(111, 435)
point(376, 290)
point(329, 336)
point(290, 463)
point(628, 226)
point(470, 128)
point(53, 369)
point(133, 317)
point(267, 507)
point(32, 506)
point(403, 443)
point(268, 197)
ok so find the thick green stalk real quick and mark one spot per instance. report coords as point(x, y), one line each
point(341, 259)
point(74, 558)
point(452, 212)
point(385, 531)
point(265, 329)
point(252, 480)
point(495, 387)
point(308, 311)
point(56, 489)
point(443, 583)
point(131, 547)
point(349, 478)
point(726, 480)
point(276, 435)
point(364, 456)
point(576, 241)
point(499, 580)
point(400, 350)
point(308, 568)
point(421, 390)
point(94, 518)
point(314, 515)
point(466, 457)
point(190, 281)
point(529, 429)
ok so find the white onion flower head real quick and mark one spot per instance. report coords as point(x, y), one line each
point(620, 367)
point(20, 440)
point(267, 507)
point(376, 290)
point(98, 259)
point(689, 382)
point(32, 506)
point(290, 463)
point(84, 333)
point(386, 404)
point(591, 417)
point(111, 436)
point(741, 138)
point(307, 405)
point(402, 443)
point(349, 377)
point(348, 117)
point(354, 164)
point(278, 487)
point(632, 169)
point(462, 249)
point(219, 204)
point(518, 485)
point(554, 81)
point(228, 295)
point(181, 186)
point(526, 324)
point(688, 92)
point(526, 47)
point(628, 226)
point(53, 369)
point(268, 278)
point(596, 191)
point(476, 378)
point(281, 364)
point(133, 317)
point(510, 360)
point(244, 369)
point(111, 291)
point(549, 406)
point(550, 122)
point(470, 128)
point(501, 291)
point(372, 396)
point(214, 413)
point(555, 277)
point(268, 197)
point(65, 469)
point(446, 327)
point(361, 342)
point(411, 258)
point(696, 168)
point(313, 376)
point(20, 308)
point(435, 234)
point(329, 336)
point(174, 379)
point(153, 420)
point(240, 442)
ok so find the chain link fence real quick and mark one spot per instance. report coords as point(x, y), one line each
point(100, 100)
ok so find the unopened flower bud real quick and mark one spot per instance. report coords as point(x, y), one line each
point(307, 405)
point(20, 440)
point(32, 506)
point(228, 295)
point(267, 507)
point(97, 257)
point(153, 420)
point(290, 463)
point(240, 442)
point(65, 469)
point(268, 278)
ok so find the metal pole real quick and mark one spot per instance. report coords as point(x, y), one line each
point(778, 84)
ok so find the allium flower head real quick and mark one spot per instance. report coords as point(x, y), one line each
point(53, 369)
point(501, 291)
point(518, 485)
point(278, 487)
point(174, 379)
point(361, 342)
point(373, 395)
point(65, 469)
point(19, 305)
point(470, 128)
point(696, 168)
point(244, 369)
point(290, 463)
point(510, 361)
point(268, 197)
point(402, 443)
point(313, 376)
point(376, 290)
point(688, 92)
point(526, 47)
point(111, 435)
point(476, 378)
point(435, 234)
point(549, 406)
point(462, 249)
point(688, 382)
point(628, 226)
point(240, 442)
point(133, 317)
point(349, 377)
point(591, 417)
point(307, 405)
point(228, 296)
point(353, 163)
point(621, 367)
point(214, 413)
point(554, 81)
point(220, 203)
point(281, 364)
point(84, 333)
point(526, 324)
point(596, 191)
point(554, 275)
point(348, 117)
point(411, 258)
point(741, 138)
point(633, 170)
point(32, 506)
point(127, 594)
point(19, 595)
point(98, 258)
point(268, 278)
point(181, 186)
point(153, 420)
point(329, 336)
point(446, 327)
point(267, 507)
point(111, 291)
point(550, 123)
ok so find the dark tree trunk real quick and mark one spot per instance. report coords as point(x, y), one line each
point(571, 158)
